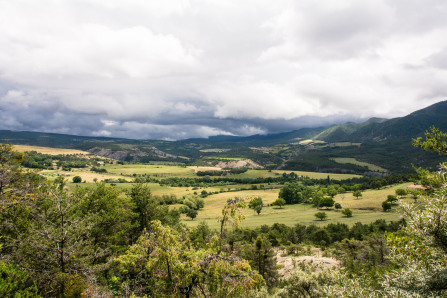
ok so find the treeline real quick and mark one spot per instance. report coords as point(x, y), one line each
point(365, 182)
point(322, 236)
point(36, 160)
point(223, 172)
point(318, 162)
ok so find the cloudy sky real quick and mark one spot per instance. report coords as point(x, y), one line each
point(194, 68)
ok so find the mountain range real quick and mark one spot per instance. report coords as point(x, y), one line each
point(383, 142)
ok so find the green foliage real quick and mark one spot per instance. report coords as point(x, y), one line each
point(357, 194)
point(262, 258)
point(194, 202)
point(435, 141)
point(347, 212)
point(279, 202)
point(321, 215)
point(290, 193)
point(338, 206)
point(401, 192)
point(386, 205)
point(191, 213)
point(326, 202)
point(256, 204)
point(77, 179)
point(391, 198)
point(164, 263)
point(148, 208)
point(15, 282)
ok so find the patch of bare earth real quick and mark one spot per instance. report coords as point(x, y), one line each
point(289, 263)
point(237, 164)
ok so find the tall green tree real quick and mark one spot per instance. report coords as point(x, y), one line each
point(110, 219)
point(290, 193)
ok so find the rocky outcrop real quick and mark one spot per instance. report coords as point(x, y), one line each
point(132, 154)
point(237, 164)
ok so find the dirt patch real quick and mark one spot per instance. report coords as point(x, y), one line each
point(237, 164)
point(289, 263)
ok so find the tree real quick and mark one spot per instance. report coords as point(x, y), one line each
point(15, 282)
point(386, 205)
point(290, 193)
point(321, 215)
point(279, 202)
point(338, 206)
point(435, 141)
point(420, 254)
point(262, 258)
point(347, 212)
point(256, 204)
point(326, 202)
point(56, 248)
point(191, 213)
point(164, 263)
point(112, 222)
point(401, 192)
point(148, 208)
point(77, 179)
point(392, 199)
point(357, 194)
point(331, 191)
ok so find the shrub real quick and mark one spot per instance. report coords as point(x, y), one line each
point(77, 179)
point(347, 212)
point(321, 215)
point(386, 206)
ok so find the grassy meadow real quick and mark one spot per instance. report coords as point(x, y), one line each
point(49, 150)
point(366, 209)
point(354, 161)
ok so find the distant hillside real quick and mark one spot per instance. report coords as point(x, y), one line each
point(383, 142)
point(408, 127)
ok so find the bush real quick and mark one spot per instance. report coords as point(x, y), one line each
point(386, 206)
point(347, 212)
point(77, 179)
point(192, 213)
point(321, 215)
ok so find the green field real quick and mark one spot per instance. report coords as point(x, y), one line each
point(153, 170)
point(344, 160)
point(365, 210)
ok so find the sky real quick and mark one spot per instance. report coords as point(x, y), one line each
point(171, 70)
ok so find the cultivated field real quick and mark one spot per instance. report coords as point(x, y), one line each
point(354, 161)
point(48, 150)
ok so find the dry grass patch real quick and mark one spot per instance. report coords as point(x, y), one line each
point(370, 200)
point(48, 150)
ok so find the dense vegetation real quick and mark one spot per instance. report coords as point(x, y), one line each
point(100, 241)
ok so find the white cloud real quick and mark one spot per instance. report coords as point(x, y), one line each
point(177, 69)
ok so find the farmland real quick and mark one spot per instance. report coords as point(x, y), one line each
point(366, 210)
point(49, 150)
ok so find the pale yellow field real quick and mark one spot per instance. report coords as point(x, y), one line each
point(370, 200)
point(197, 169)
point(48, 150)
point(85, 175)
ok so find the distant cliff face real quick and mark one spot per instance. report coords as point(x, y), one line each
point(132, 154)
